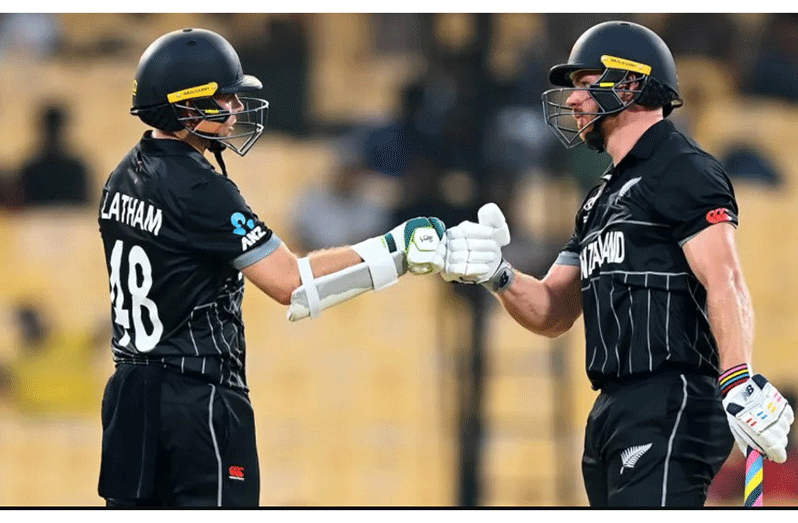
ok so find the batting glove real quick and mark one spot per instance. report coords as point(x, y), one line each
point(473, 251)
point(423, 240)
point(759, 417)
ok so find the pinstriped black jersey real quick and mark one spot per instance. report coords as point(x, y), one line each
point(176, 234)
point(644, 309)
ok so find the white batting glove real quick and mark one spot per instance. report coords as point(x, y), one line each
point(473, 251)
point(759, 417)
point(472, 255)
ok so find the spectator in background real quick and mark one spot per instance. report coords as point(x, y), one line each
point(396, 33)
point(338, 213)
point(417, 149)
point(37, 34)
point(54, 175)
point(8, 189)
point(709, 35)
point(775, 70)
point(745, 162)
point(278, 52)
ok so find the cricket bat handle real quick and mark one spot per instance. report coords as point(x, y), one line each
point(754, 487)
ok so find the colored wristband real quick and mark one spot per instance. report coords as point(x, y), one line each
point(732, 377)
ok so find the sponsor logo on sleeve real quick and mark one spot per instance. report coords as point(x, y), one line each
point(247, 229)
point(235, 472)
point(718, 215)
point(239, 222)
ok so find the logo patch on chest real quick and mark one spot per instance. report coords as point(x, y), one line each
point(625, 189)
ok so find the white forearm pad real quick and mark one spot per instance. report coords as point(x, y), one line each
point(312, 293)
point(338, 287)
point(379, 261)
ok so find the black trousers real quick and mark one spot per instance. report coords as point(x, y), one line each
point(170, 440)
point(655, 441)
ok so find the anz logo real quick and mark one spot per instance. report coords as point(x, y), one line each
point(247, 229)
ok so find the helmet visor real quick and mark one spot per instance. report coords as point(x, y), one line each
point(246, 83)
point(249, 124)
point(613, 92)
point(561, 118)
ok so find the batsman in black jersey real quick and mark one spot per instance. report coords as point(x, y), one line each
point(652, 264)
point(178, 426)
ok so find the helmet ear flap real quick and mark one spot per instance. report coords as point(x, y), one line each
point(161, 117)
point(656, 94)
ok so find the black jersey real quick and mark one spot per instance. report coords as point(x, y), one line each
point(176, 234)
point(644, 309)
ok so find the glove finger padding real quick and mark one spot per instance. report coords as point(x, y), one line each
point(470, 230)
point(759, 417)
point(420, 239)
point(423, 255)
point(483, 256)
point(472, 253)
point(742, 439)
point(472, 244)
point(466, 272)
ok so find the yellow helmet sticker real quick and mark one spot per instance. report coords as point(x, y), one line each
point(135, 86)
point(193, 92)
point(613, 62)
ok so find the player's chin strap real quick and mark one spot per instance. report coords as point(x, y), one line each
point(217, 147)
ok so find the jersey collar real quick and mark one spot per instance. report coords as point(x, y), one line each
point(167, 147)
point(646, 144)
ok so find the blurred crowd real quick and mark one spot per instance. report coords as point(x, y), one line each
point(466, 128)
point(461, 132)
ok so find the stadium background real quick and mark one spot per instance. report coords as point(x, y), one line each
point(423, 394)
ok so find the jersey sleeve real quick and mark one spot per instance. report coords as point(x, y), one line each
point(219, 223)
point(569, 255)
point(694, 193)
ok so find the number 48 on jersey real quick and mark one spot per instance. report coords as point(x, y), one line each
point(136, 295)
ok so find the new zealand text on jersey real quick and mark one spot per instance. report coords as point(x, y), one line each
point(607, 248)
point(133, 212)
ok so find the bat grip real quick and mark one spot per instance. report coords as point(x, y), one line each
point(754, 485)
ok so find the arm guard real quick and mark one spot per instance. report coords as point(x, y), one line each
point(337, 287)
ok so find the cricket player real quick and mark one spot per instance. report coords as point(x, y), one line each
point(178, 427)
point(653, 266)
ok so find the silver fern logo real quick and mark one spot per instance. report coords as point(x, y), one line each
point(627, 186)
point(630, 456)
point(625, 189)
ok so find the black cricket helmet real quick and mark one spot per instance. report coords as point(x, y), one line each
point(177, 78)
point(626, 55)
